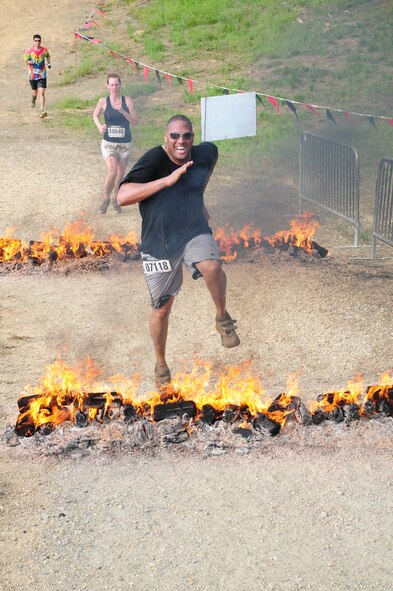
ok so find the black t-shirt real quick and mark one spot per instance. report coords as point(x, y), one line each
point(173, 216)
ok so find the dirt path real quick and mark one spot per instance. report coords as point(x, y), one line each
point(308, 510)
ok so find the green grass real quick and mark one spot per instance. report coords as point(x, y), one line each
point(328, 52)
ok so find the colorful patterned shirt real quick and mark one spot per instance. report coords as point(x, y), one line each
point(37, 68)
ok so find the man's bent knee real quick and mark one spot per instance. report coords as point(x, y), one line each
point(209, 267)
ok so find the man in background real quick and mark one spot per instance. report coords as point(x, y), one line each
point(37, 58)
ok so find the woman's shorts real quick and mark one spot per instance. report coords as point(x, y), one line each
point(120, 151)
point(164, 278)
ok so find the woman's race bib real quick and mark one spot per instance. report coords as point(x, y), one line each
point(116, 131)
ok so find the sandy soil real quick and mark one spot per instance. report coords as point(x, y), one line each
point(305, 510)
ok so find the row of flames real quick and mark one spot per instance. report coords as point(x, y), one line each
point(81, 395)
point(77, 240)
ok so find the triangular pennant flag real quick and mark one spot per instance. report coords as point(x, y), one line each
point(226, 90)
point(88, 26)
point(78, 35)
point(291, 106)
point(259, 97)
point(372, 122)
point(130, 61)
point(180, 80)
point(348, 115)
point(330, 117)
point(390, 121)
point(168, 77)
point(145, 73)
point(98, 11)
point(273, 102)
point(311, 109)
point(158, 77)
point(190, 85)
point(114, 54)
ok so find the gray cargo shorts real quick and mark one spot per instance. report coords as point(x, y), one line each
point(164, 278)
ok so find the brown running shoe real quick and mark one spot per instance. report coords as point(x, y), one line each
point(43, 114)
point(116, 206)
point(226, 326)
point(104, 205)
point(162, 376)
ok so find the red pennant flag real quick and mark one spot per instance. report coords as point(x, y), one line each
point(114, 54)
point(98, 11)
point(273, 102)
point(78, 35)
point(190, 85)
point(168, 77)
point(390, 121)
point(130, 61)
point(145, 73)
point(88, 25)
point(311, 109)
point(96, 40)
point(348, 115)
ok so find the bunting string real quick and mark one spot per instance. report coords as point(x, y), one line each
point(275, 101)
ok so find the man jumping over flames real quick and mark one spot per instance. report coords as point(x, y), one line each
point(168, 182)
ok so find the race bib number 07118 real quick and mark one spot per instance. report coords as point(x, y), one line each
point(151, 267)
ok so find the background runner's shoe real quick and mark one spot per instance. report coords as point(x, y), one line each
point(226, 326)
point(104, 205)
point(43, 115)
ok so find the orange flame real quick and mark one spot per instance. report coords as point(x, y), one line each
point(78, 240)
point(301, 233)
point(330, 400)
point(63, 390)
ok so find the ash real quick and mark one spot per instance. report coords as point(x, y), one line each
point(179, 435)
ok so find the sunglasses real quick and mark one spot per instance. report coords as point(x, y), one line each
point(185, 136)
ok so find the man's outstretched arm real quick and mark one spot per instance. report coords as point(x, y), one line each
point(130, 193)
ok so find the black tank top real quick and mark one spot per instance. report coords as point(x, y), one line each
point(118, 127)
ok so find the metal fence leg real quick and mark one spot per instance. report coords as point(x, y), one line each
point(373, 247)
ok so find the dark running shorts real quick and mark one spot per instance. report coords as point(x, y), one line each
point(38, 83)
point(163, 283)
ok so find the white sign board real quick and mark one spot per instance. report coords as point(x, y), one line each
point(229, 116)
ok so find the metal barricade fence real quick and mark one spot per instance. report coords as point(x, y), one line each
point(329, 177)
point(383, 210)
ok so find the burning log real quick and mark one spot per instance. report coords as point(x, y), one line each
point(351, 412)
point(129, 413)
point(38, 252)
point(265, 425)
point(170, 410)
point(100, 400)
point(231, 413)
point(210, 414)
point(379, 399)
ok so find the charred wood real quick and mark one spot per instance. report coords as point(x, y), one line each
point(266, 426)
point(243, 431)
point(81, 419)
point(210, 414)
point(174, 409)
point(231, 413)
point(351, 412)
